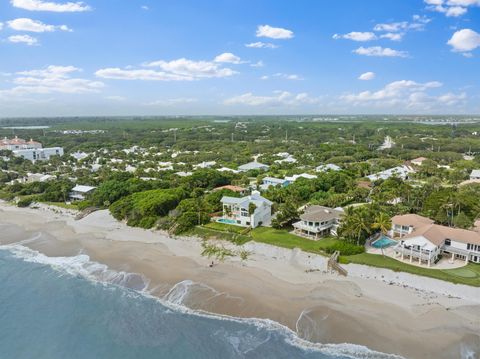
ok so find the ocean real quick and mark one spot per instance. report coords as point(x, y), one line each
point(70, 307)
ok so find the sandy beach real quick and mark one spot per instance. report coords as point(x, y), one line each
point(398, 313)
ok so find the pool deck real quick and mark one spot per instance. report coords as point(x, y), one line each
point(444, 263)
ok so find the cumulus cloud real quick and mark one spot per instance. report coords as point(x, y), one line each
point(29, 25)
point(52, 79)
point(274, 32)
point(357, 36)
point(380, 52)
point(1, 26)
point(228, 57)
point(405, 94)
point(451, 8)
point(261, 45)
point(279, 98)
point(393, 36)
point(175, 70)
point(282, 76)
point(464, 41)
point(367, 76)
point(40, 5)
point(23, 39)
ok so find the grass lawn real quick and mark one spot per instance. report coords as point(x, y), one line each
point(282, 238)
point(470, 274)
point(208, 233)
point(225, 227)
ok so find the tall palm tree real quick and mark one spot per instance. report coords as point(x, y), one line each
point(382, 223)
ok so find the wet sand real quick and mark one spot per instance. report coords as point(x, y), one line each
point(272, 284)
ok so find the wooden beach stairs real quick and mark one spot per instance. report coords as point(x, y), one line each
point(333, 265)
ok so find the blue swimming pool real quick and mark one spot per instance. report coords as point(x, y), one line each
point(227, 221)
point(383, 242)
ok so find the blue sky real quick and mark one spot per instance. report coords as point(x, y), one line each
point(146, 57)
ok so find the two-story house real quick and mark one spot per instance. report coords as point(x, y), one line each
point(318, 221)
point(253, 210)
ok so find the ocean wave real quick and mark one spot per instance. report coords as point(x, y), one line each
point(137, 285)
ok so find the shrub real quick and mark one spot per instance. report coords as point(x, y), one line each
point(345, 249)
point(25, 202)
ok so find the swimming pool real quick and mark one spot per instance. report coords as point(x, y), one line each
point(227, 221)
point(383, 242)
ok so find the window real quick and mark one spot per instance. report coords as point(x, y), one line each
point(448, 242)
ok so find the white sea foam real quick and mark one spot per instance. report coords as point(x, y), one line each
point(81, 265)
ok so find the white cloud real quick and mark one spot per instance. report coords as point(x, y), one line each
point(261, 45)
point(25, 24)
point(228, 57)
point(357, 36)
point(274, 32)
point(380, 52)
point(23, 39)
point(464, 41)
point(144, 7)
point(52, 79)
point(40, 5)
point(172, 101)
point(279, 98)
point(418, 23)
point(405, 94)
point(1, 26)
point(283, 76)
point(367, 76)
point(394, 36)
point(176, 70)
point(258, 64)
point(451, 8)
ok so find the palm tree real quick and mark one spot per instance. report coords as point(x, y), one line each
point(382, 223)
point(358, 226)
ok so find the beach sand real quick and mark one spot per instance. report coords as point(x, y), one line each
point(398, 313)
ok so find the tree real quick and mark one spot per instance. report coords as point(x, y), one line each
point(382, 223)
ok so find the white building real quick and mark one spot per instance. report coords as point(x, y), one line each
point(273, 182)
point(422, 240)
point(41, 154)
point(400, 171)
point(475, 175)
point(18, 144)
point(318, 221)
point(327, 167)
point(80, 192)
point(253, 166)
point(237, 211)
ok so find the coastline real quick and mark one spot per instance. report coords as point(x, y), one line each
point(383, 310)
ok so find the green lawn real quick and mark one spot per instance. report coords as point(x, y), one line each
point(282, 238)
point(470, 274)
point(225, 227)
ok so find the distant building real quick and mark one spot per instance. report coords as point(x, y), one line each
point(418, 161)
point(237, 210)
point(80, 192)
point(19, 144)
point(420, 239)
point(273, 182)
point(302, 175)
point(327, 167)
point(475, 175)
point(318, 221)
point(253, 166)
point(42, 154)
point(400, 171)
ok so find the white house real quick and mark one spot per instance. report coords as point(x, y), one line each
point(41, 154)
point(420, 239)
point(302, 175)
point(237, 211)
point(475, 174)
point(18, 144)
point(80, 192)
point(318, 221)
point(273, 181)
point(327, 167)
point(253, 166)
point(400, 171)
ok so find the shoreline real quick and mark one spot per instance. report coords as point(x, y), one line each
point(372, 306)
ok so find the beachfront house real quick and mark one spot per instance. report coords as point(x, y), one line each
point(475, 175)
point(318, 221)
point(80, 192)
point(253, 210)
point(253, 166)
point(420, 239)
